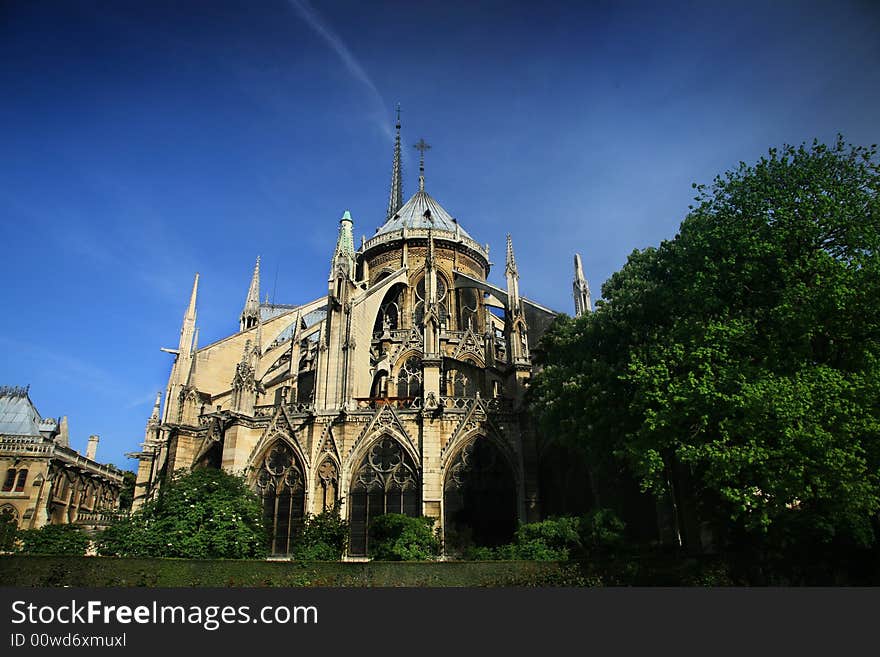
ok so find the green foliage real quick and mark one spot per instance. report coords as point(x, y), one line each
point(8, 529)
point(30, 571)
point(324, 537)
point(126, 494)
point(396, 537)
point(60, 540)
point(745, 351)
point(558, 539)
point(601, 529)
point(202, 514)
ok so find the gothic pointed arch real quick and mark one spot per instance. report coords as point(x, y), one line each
point(385, 479)
point(327, 444)
point(479, 496)
point(390, 314)
point(478, 420)
point(385, 421)
point(280, 481)
point(421, 305)
point(408, 376)
point(210, 452)
point(326, 484)
point(281, 426)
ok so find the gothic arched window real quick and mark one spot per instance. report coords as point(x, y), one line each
point(461, 385)
point(328, 485)
point(468, 304)
point(479, 497)
point(386, 481)
point(305, 380)
point(419, 308)
point(281, 486)
point(388, 317)
point(9, 482)
point(409, 378)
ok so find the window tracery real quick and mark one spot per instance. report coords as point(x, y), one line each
point(281, 487)
point(419, 308)
point(409, 378)
point(386, 481)
point(328, 485)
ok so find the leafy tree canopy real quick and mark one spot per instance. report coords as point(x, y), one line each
point(746, 350)
point(204, 514)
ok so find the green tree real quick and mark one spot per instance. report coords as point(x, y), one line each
point(743, 356)
point(204, 514)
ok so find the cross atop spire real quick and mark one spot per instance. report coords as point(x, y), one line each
point(421, 147)
point(395, 199)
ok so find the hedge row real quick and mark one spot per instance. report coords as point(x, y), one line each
point(17, 570)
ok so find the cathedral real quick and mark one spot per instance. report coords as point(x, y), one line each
point(399, 390)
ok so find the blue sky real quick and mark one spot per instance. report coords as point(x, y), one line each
point(141, 142)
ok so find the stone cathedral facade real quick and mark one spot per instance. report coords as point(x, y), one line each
point(399, 389)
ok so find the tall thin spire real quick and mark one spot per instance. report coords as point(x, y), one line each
point(345, 241)
point(189, 321)
point(395, 199)
point(154, 417)
point(512, 275)
point(582, 301)
point(511, 259)
point(251, 312)
point(421, 147)
point(343, 263)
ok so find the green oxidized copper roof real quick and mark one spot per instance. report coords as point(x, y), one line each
point(345, 242)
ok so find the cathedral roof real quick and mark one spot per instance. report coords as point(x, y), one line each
point(421, 211)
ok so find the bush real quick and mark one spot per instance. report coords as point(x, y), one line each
point(204, 514)
point(601, 529)
point(396, 537)
point(324, 537)
point(557, 539)
point(59, 540)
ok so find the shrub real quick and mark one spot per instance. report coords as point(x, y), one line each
point(204, 514)
point(324, 537)
point(557, 539)
point(601, 528)
point(396, 537)
point(59, 540)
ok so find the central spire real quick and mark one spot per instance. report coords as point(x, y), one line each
point(421, 147)
point(395, 199)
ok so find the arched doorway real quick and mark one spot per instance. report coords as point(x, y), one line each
point(281, 486)
point(479, 498)
point(386, 481)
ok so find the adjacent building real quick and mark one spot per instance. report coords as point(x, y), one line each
point(44, 480)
